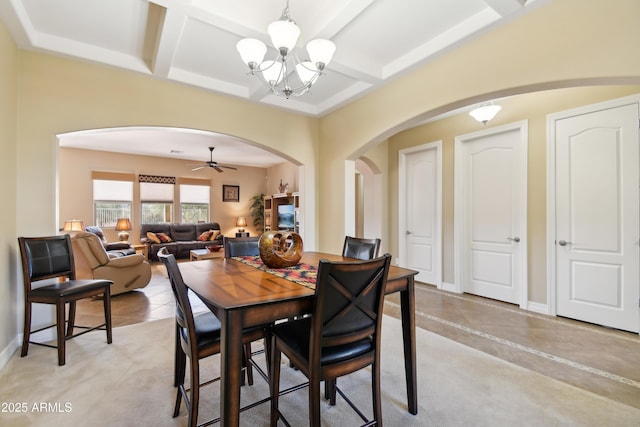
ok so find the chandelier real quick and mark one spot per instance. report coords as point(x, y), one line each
point(287, 75)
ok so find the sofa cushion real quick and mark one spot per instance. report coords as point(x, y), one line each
point(183, 232)
point(205, 235)
point(153, 237)
point(215, 234)
point(164, 238)
point(154, 228)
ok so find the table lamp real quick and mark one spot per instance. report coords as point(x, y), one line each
point(73, 225)
point(241, 223)
point(122, 227)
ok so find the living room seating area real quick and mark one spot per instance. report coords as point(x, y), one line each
point(179, 239)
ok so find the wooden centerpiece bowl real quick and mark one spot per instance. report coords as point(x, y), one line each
point(280, 249)
point(214, 248)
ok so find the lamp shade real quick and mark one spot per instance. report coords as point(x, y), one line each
point(241, 222)
point(284, 34)
point(251, 50)
point(321, 51)
point(123, 224)
point(485, 113)
point(307, 72)
point(272, 72)
point(73, 225)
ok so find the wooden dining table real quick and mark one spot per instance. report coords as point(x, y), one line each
point(242, 296)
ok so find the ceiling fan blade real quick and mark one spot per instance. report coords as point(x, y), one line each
point(197, 169)
point(227, 167)
point(217, 168)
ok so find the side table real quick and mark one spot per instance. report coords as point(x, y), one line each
point(140, 248)
point(200, 254)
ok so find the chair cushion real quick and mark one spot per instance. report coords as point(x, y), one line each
point(207, 329)
point(297, 334)
point(70, 287)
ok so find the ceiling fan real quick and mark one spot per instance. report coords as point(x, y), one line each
point(212, 164)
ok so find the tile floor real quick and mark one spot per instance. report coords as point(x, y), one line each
point(598, 359)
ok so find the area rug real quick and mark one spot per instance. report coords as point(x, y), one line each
point(129, 383)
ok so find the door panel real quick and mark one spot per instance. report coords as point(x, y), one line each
point(493, 224)
point(421, 219)
point(597, 217)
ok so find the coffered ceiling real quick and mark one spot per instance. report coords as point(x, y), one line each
point(194, 41)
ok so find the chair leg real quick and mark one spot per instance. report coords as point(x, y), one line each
point(377, 403)
point(194, 392)
point(106, 301)
point(71, 323)
point(247, 363)
point(180, 361)
point(314, 400)
point(26, 330)
point(330, 391)
point(60, 332)
point(274, 382)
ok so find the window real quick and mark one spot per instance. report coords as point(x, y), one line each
point(112, 199)
point(156, 200)
point(194, 203)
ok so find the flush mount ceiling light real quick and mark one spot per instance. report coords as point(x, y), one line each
point(287, 75)
point(485, 113)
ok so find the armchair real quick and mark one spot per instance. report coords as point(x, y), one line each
point(127, 272)
point(114, 249)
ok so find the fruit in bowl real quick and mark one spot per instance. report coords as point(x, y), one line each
point(214, 248)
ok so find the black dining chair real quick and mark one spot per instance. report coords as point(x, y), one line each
point(47, 258)
point(199, 337)
point(341, 336)
point(359, 248)
point(241, 246)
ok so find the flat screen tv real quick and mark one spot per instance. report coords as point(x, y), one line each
point(286, 217)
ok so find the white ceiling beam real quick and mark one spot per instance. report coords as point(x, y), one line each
point(505, 7)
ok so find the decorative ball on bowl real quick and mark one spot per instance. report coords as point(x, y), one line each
point(214, 248)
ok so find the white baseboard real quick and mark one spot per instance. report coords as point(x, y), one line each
point(9, 350)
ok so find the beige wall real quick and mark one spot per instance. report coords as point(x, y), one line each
point(9, 255)
point(561, 44)
point(76, 192)
point(532, 107)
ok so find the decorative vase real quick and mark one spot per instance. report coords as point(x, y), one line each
point(280, 249)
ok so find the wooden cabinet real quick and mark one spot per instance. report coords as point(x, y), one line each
point(281, 212)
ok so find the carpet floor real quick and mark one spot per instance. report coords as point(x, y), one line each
point(130, 383)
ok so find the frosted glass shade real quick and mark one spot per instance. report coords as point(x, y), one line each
point(307, 72)
point(284, 34)
point(251, 50)
point(272, 71)
point(486, 113)
point(321, 51)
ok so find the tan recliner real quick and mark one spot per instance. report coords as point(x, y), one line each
point(92, 261)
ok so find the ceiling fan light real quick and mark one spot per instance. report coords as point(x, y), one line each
point(272, 72)
point(321, 51)
point(485, 113)
point(251, 50)
point(284, 34)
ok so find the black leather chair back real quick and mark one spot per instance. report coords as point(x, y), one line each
point(359, 248)
point(349, 299)
point(48, 257)
point(241, 246)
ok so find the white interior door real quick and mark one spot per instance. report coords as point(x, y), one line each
point(491, 213)
point(597, 216)
point(420, 212)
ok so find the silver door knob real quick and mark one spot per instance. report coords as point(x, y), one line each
point(514, 239)
point(564, 243)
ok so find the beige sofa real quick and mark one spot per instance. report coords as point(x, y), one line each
point(92, 261)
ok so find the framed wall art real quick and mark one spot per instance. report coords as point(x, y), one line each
point(230, 193)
